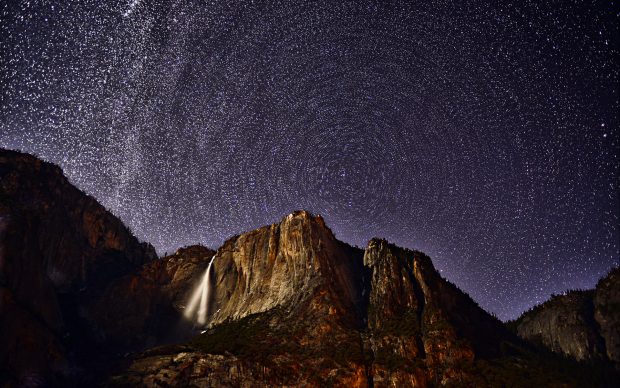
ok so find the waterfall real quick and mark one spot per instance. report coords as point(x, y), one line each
point(198, 306)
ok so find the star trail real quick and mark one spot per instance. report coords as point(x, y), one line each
point(485, 135)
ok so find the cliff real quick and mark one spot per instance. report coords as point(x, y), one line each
point(584, 325)
point(283, 265)
point(286, 304)
point(607, 314)
point(418, 319)
point(291, 305)
point(58, 250)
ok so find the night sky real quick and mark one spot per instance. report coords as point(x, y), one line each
point(483, 134)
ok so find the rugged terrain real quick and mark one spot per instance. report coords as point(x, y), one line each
point(295, 306)
point(59, 249)
point(305, 307)
point(580, 324)
point(83, 302)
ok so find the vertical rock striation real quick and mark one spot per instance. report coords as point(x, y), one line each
point(419, 321)
point(284, 265)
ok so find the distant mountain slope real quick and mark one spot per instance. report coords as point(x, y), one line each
point(581, 324)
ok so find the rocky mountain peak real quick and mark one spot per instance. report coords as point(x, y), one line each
point(285, 304)
point(281, 265)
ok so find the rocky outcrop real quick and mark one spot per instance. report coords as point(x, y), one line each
point(287, 305)
point(59, 248)
point(580, 324)
point(288, 295)
point(184, 367)
point(282, 265)
point(417, 318)
point(292, 305)
point(607, 313)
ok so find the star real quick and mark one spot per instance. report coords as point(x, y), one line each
point(465, 130)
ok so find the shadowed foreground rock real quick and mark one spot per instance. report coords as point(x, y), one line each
point(59, 249)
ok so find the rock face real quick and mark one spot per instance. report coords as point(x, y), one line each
point(58, 250)
point(565, 324)
point(287, 304)
point(145, 307)
point(292, 305)
point(418, 319)
point(582, 324)
point(607, 314)
point(282, 265)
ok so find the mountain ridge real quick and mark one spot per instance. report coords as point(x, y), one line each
point(58, 249)
point(584, 324)
point(290, 305)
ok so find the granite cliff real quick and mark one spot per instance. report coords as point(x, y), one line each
point(145, 307)
point(584, 325)
point(293, 306)
point(83, 302)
